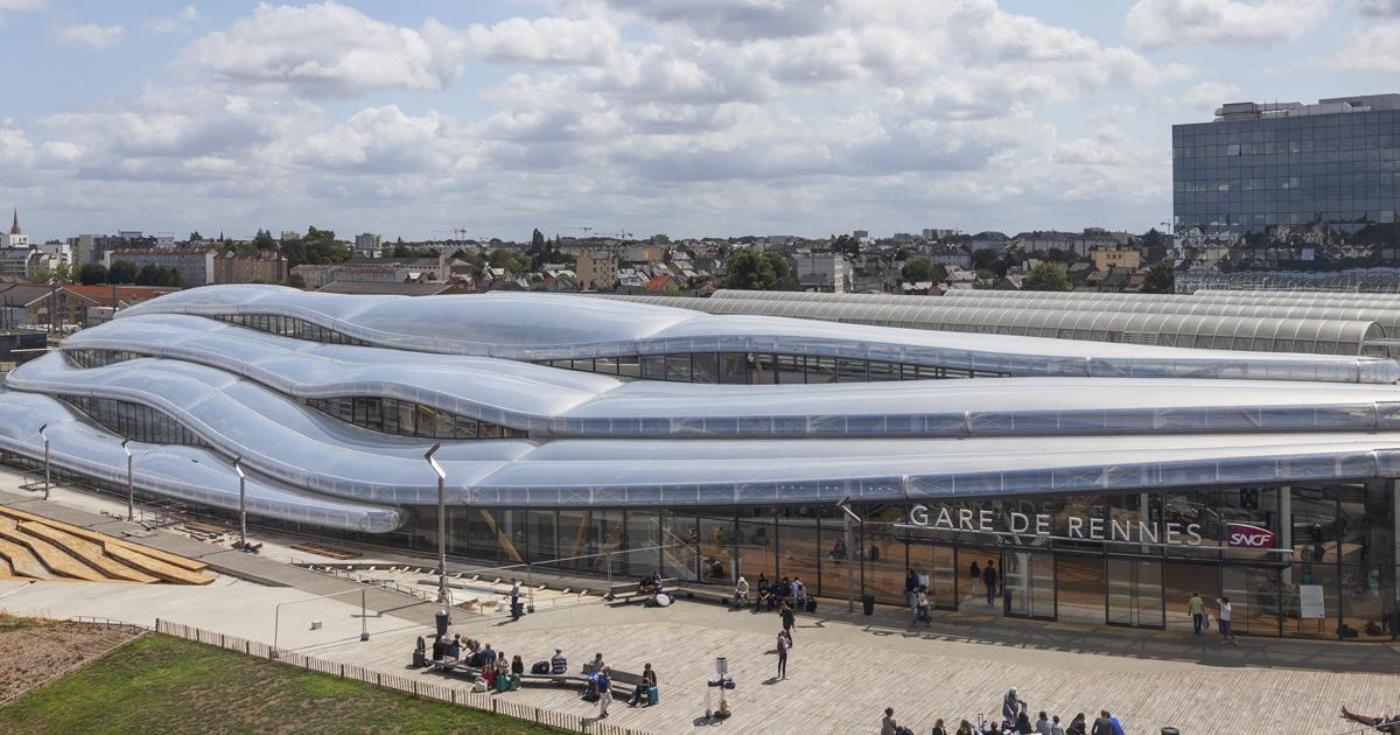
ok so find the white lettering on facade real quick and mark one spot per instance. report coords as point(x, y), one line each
point(1042, 524)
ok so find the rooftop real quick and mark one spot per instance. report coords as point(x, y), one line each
point(1329, 106)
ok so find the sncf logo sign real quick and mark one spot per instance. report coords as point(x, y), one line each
point(1245, 536)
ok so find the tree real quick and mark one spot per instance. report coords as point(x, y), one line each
point(149, 275)
point(765, 271)
point(195, 236)
point(1161, 278)
point(296, 281)
point(122, 271)
point(846, 244)
point(1047, 277)
point(92, 274)
point(917, 269)
point(264, 241)
point(401, 251)
point(985, 260)
point(316, 248)
point(168, 277)
point(537, 241)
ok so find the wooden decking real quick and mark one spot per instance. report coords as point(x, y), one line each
point(37, 547)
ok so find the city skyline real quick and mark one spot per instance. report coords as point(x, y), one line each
point(723, 118)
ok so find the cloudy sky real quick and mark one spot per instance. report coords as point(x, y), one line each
point(689, 117)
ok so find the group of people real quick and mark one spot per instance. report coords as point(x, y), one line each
point(600, 684)
point(771, 595)
point(499, 671)
point(1015, 720)
point(653, 587)
point(1196, 608)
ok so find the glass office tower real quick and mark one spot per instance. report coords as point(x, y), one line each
point(1290, 186)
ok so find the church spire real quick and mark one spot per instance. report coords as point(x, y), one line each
point(14, 228)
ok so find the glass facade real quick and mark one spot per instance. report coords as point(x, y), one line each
point(287, 326)
point(406, 418)
point(1311, 189)
point(97, 358)
point(750, 368)
point(133, 420)
point(1323, 563)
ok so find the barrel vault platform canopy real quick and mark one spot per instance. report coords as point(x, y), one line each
point(559, 401)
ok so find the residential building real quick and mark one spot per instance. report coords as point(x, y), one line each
point(195, 265)
point(87, 249)
point(823, 271)
point(21, 264)
point(990, 240)
point(368, 245)
point(950, 255)
point(262, 267)
point(932, 233)
point(1106, 259)
point(1289, 185)
point(597, 269)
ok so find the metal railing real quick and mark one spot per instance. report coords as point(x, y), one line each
point(410, 685)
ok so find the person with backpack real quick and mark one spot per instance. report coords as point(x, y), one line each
point(789, 619)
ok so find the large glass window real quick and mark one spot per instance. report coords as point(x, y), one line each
point(410, 419)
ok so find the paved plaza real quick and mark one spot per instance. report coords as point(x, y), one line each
point(844, 669)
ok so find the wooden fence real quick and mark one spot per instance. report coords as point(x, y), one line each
point(407, 684)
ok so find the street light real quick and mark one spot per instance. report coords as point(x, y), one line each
point(44, 434)
point(846, 519)
point(441, 519)
point(242, 503)
point(130, 485)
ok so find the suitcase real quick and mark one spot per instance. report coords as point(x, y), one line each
point(653, 696)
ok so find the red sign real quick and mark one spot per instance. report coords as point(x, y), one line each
point(1246, 536)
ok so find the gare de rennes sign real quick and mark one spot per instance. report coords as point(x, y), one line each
point(1080, 528)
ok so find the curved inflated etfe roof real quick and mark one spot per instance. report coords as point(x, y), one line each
point(284, 441)
point(598, 441)
point(1243, 333)
point(559, 403)
point(550, 326)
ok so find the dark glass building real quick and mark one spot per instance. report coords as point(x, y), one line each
point(1290, 186)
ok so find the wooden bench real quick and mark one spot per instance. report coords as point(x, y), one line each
point(627, 592)
point(619, 676)
point(712, 594)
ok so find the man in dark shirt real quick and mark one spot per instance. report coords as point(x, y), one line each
point(1103, 725)
point(789, 618)
point(989, 580)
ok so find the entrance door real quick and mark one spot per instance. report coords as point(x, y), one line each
point(1135, 592)
point(1254, 599)
point(938, 566)
point(1028, 584)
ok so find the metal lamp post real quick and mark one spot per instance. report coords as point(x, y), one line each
point(242, 503)
point(130, 484)
point(441, 520)
point(43, 433)
point(847, 517)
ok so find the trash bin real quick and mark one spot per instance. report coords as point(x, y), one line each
point(442, 621)
point(868, 602)
point(1170, 731)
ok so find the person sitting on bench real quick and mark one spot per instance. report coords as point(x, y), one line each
point(646, 586)
point(639, 694)
point(439, 651)
point(454, 649)
point(741, 592)
point(558, 665)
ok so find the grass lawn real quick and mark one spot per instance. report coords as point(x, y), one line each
point(160, 684)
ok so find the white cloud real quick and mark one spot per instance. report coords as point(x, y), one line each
point(92, 35)
point(178, 23)
point(1155, 23)
point(1376, 48)
point(330, 50)
point(1377, 7)
point(22, 4)
point(1210, 95)
point(544, 40)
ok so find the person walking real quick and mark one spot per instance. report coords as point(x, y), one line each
point(887, 723)
point(784, 644)
point(1103, 725)
point(1226, 612)
point(1055, 728)
point(789, 619)
point(1078, 726)
point(974, 573)
point(939, 728)
point(911, 584)
point(515, 599)
point(989, 581)
point(604, 680)
point(1011, 706)
point(1197, 608)
point(1042, 725)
